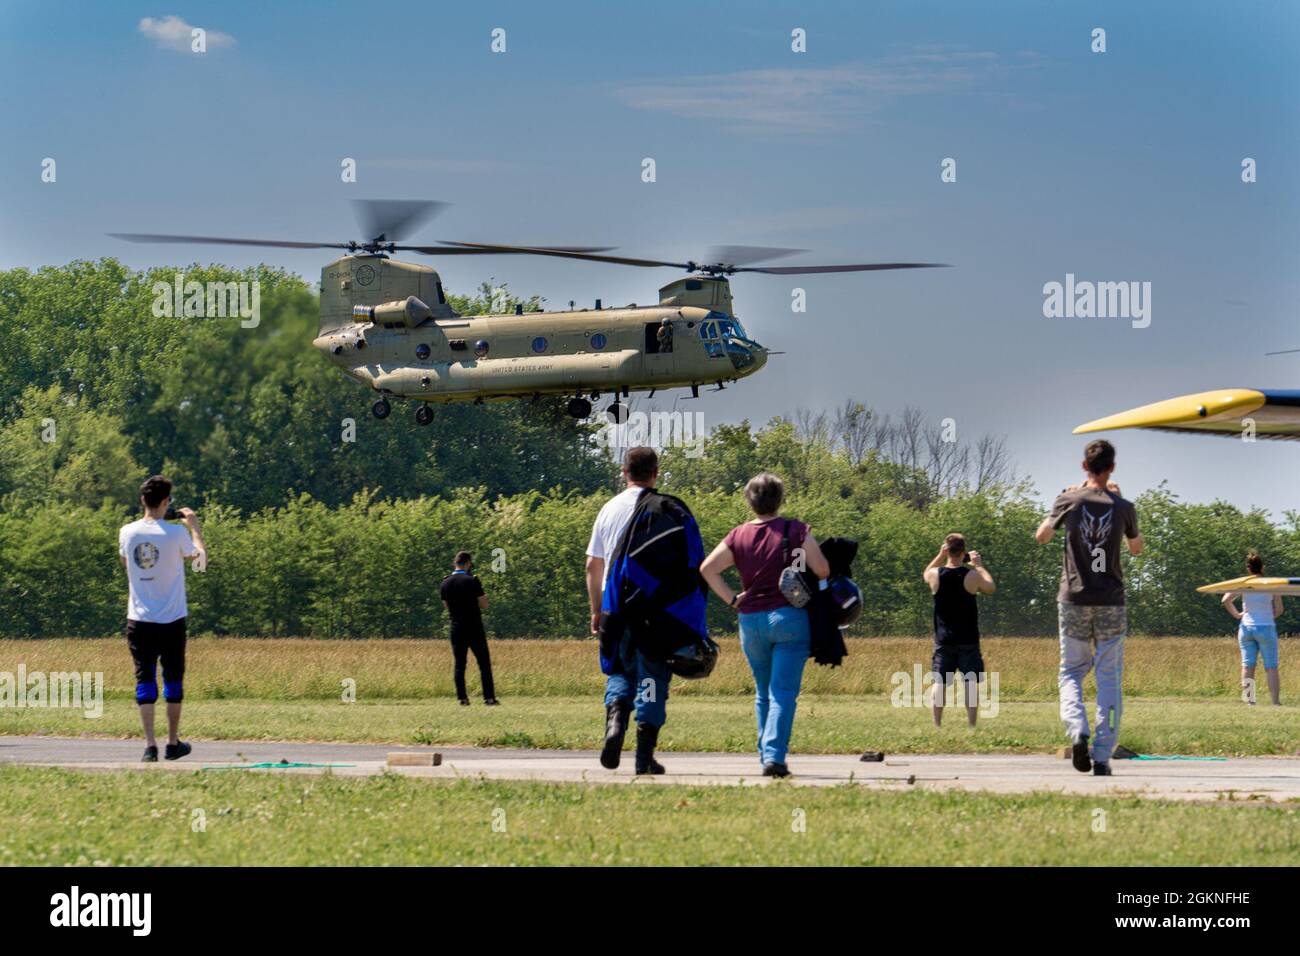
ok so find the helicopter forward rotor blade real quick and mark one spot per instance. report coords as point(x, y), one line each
point(558, 251)
point(392, 220)
point(224, 241)
point(747, 255)
point(860, 267)
point(494, 251)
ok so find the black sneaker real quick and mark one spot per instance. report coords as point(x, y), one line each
point(775, 770)
point(1100, 769)
point(464, 702)
point(150, 755)
point(176, 751)
point(491, 702)
point(1079, 754)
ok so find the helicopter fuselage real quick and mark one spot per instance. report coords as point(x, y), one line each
point(378, 329)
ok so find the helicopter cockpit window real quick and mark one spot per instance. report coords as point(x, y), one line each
point(709, 333)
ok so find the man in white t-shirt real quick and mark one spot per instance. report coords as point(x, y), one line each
point(640, 683)
point(154, 553)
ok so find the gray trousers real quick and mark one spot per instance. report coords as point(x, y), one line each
point(1092, 639)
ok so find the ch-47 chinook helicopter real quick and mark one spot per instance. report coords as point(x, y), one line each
point(388, 325)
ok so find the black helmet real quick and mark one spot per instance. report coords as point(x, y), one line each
point(695, 660)
point(847, 599)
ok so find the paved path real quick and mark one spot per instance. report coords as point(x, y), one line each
point(1259, 778)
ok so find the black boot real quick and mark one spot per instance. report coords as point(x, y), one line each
point(646, 738)
point(615, 730)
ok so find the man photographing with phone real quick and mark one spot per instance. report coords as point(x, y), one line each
point(154, 555)
point(954, 584)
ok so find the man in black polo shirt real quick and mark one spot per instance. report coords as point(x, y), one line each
point(465, 600)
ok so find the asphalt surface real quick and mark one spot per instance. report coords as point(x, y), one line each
point(1236, 778)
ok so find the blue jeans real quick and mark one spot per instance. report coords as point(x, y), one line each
point(776, 644)
point(643, 683)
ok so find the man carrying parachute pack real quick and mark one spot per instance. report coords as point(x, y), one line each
point(647, 606)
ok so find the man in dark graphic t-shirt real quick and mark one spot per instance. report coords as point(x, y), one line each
point(1093, 623)
point(463, 595)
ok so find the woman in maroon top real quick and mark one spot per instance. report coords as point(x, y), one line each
point(773, 634)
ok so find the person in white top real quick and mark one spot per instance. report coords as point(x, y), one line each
point(1257, 634)
point(640, 682)
point(154, 553)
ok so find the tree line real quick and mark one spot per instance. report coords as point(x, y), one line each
point(371, 566)
point(311, 534)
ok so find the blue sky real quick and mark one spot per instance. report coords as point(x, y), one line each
point(1116, 166)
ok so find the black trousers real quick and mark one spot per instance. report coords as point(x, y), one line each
point(464, 640)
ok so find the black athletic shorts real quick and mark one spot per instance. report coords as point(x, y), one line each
point(150, 642)
point(949, 658)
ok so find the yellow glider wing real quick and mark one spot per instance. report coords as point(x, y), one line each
point(1229, 411)
point(1256, 583)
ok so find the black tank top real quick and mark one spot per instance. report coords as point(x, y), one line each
point(956, 615)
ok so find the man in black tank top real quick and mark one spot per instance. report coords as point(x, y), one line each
point(954, 585)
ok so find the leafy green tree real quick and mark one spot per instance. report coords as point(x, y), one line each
point(58, 449)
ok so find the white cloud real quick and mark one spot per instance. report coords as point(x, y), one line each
point(173, 33)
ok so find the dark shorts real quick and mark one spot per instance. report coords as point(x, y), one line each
point(949, 658)
point(149, 643)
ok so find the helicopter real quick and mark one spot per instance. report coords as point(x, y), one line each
point(388, 325)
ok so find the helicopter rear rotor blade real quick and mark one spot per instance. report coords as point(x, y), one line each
point(860, 267)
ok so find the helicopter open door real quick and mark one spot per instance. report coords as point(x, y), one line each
point(661, 357)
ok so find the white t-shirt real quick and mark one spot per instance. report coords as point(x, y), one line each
point(1256, 609)
point(611, 523)
point(155, 553)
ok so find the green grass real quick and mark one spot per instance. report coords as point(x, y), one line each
point(824, 724)
point(298, 669)
point(1180, 697)
point(60, 817)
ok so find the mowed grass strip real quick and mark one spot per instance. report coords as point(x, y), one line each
point(58, 817)
point(302, 669)
point(825, 723)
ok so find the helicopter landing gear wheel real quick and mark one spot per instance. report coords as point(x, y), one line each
point(423, 415)
point(579, 407)
point(381, 408)
point(617, 413)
